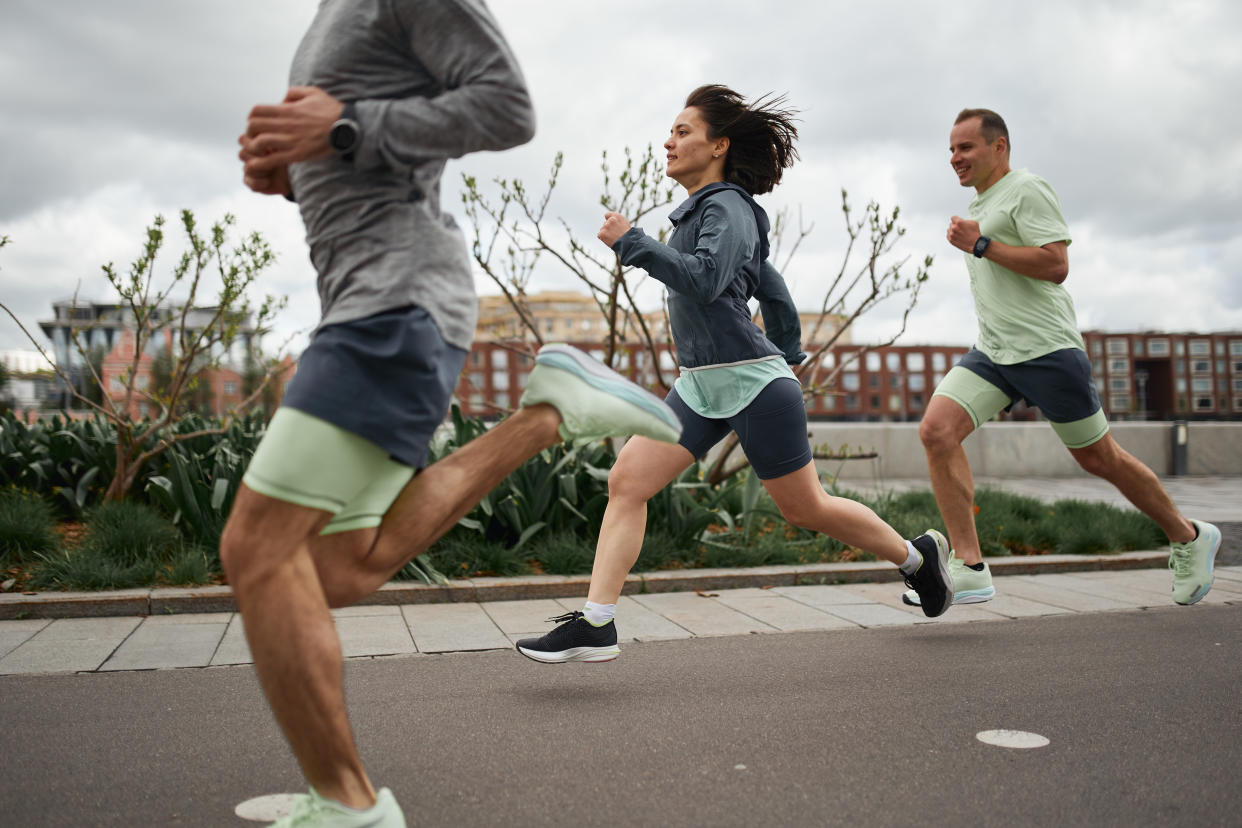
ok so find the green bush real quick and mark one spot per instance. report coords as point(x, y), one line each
point(124, 545)
point(27, 526)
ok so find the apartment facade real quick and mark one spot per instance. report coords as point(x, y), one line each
point(1157, 375)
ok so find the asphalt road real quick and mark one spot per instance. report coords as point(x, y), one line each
point(1143, 711)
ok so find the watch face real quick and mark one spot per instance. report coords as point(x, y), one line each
point(343, 136)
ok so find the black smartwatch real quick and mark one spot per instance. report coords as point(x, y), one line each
point(345, 135)
point(981, 246)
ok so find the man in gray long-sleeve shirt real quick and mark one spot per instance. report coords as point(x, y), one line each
point(336, 499)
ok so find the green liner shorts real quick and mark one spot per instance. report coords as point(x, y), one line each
point(1059, 384)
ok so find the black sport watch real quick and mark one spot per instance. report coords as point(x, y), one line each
point(981, 246)
point(345, 135)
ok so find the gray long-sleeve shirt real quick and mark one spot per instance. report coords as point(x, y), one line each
point(431, 80)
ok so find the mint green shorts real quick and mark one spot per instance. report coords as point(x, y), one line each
point(1059, 384)
point(310, 462)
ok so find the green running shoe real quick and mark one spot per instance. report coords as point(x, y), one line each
point(313, 811)
point(594, 401)
point(969, 586)
point(1192, 564)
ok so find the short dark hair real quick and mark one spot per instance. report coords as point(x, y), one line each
point(991, 125)
point(761, 135)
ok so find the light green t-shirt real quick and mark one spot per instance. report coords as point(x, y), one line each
point(719, 391)
point(1020, 318)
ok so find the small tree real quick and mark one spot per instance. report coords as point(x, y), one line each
point(511, 237)
point(198, 335)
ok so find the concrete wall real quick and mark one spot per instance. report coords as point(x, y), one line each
point(1026, 449)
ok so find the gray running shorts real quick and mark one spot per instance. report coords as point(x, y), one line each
point(1059, 384)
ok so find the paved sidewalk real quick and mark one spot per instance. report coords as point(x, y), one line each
point(158, 642)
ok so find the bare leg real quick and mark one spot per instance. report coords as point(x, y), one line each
point(355, 564)
point(945, 425)
point(803, 502)
point(1106, 459)
point(293, 639)
point(643, 468)
point(284, 598)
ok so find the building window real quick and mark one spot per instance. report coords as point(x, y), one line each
point(916, 401)
point(894, 381)
point(1119, 384)
point(477, 379)
point(917, 382)
point(1220, 366)
point(1201, 366)
point(849, 382)
point(1237, 385)
point(1220, 347)
point(476, 358)
point(1179, 367)
point(873, 381)
point(914, 361)
point(1237, 403)
point(1097, 366)
point(500, 359)
point(828, 360)
point(1096, 348)
point(1119, 402)
point(1158, 347)
point(1203, 404)
point(1235, 347)
point(938, 360)
point(851, 401)
point(502, 399)
point(873, 361)
point(1200, 347)
point(500, 380)
point(894, 402)
point(1119, 366)
point(892, 361)
point(1181, 385)
point(937, 379)
point(828, 402)
point(1237, 367)
point(875, 402)
point(1201, 385)
point(230, 387)
point(1118, 346)
point(1179, 347)
point(1138, 347)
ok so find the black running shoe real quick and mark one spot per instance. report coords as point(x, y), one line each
point(931, 580)
point(576, 639)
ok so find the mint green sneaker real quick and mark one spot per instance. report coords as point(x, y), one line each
point(969, 586)
point(595, 401)
point(1192, 564)
point(313, 811)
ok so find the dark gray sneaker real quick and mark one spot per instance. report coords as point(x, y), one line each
point(931, 580)
point(576, 639)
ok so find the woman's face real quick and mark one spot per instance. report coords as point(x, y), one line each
point(690, 151)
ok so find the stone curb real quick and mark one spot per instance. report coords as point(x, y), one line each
point(220, 598)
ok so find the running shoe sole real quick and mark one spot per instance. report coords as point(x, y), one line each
point(603, 378)
point(592, 655)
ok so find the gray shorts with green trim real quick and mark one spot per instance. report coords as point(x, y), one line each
point(1059, 384)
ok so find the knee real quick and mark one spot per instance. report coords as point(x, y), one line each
point(936, 435)
point(1099, 461)
point(624, 486)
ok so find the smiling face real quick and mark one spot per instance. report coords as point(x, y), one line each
point(694, 158)
point(978, 164)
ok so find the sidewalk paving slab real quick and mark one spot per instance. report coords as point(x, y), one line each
point(69, 645)
point(157, 645)
point(822, 596)
point(877, 615)
point(637, 623)
point(444, 628)
point(783, 613)
point(1024, 586)
point(701, 615)
point(374, 630)
point(889, 595)
point(233, 647)
point(15, 633)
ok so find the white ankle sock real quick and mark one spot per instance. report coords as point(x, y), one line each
point(599, 614)
point(913, 559)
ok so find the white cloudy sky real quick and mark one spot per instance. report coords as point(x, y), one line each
point(116, 111)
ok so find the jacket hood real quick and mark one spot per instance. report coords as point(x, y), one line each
point(761, 217)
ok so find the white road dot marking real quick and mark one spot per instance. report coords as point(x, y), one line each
point(739, 767)
point(267, 808)
point(1011, 738)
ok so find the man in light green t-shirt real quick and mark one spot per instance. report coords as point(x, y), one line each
point(1016, 244)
